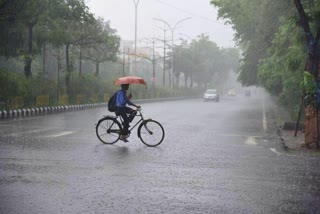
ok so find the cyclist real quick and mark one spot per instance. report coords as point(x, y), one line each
point(123, 110)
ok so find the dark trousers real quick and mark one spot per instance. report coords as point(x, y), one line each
point(127, 115)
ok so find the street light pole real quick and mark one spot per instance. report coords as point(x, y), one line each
point(172, 38)
point(136, 2)
point(164, 58)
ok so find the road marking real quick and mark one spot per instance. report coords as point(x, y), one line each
point(60, 134)
point(251, 141)
point(27, 132)
point(237, 135)
point(275, 151)
point(279, 153)
point(264, 118)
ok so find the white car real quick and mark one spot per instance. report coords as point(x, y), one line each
point(211, 94)
point(231, 93)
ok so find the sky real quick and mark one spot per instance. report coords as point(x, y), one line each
point(121, 14)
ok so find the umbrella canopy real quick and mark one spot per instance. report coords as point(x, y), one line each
point(130, 80)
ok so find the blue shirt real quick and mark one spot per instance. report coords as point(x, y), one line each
point(122, 99)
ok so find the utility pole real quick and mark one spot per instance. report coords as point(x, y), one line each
point(164, 55)
point(136, 2)
point(172, 29)
point(153, 65)
point(123, 61)
point(128, 60)
point(164, 58)
point(153, 60)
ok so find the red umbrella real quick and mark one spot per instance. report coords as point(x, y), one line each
point(130, 80)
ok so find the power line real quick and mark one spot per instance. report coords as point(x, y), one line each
point(188, 12)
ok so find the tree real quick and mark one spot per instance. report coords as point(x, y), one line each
point(70, 27)
point(205, 60)
point(313, 53)
point(22, 15)
point(105, 48)
point(183, 62)
point(202, 59)
point(269, 43)
point(311, 37)
point(30, 24)
point(12, 31)
point(255, 29)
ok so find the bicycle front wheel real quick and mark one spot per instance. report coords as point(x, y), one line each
point(151, 133)
point(108, 130)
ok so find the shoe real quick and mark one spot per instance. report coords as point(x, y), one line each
point(124, 138)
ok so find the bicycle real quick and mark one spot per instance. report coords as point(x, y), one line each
point(150, 132)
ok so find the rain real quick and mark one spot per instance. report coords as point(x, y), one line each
point(159, 106)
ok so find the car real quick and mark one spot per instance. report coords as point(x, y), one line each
point(231, 93)
point(211, 94)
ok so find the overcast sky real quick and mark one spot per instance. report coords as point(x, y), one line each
point(121, 14)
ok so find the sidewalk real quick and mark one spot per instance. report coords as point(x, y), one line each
point(296, 144)
point(286, 130)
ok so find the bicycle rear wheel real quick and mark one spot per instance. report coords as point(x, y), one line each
point(151, 133)
point(108, 130)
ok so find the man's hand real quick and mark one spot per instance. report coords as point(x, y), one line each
point(130, 96)
point(138, 106)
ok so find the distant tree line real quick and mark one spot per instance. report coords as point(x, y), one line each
point(202, 62)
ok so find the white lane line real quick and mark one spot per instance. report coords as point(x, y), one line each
point(60, 134)
point(15, 134)
point(264, 118)
point(251, 141)
point(275, 151)
point(6, 125)
point(237, 135)
point(280, 153)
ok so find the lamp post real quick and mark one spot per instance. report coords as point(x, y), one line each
point(172, 38)
point(189, 37)
point(136, 2)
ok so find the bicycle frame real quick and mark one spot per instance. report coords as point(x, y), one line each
point(139, 114)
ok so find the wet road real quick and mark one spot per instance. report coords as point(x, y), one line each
point(216, 158)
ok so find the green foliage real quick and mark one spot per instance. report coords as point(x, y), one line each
point(88, 85)
point(273, 44)
point(53, 38)
point(11, 84)
point(282, 72)
point(106, 46)
point(309, 83)
point(255, 28)
point(17, 85)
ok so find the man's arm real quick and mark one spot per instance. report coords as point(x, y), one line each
point(129, 101)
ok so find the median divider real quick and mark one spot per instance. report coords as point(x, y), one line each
point(27, 112)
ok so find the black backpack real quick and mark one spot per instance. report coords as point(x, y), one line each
point(112, 103)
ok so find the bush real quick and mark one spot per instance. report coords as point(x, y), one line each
point(12, 85)
point(85, 88)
